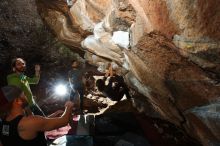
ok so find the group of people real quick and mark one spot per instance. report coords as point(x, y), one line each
point(111, 86)
point(24, 122)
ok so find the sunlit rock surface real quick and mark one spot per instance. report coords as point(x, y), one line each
point(167, 50)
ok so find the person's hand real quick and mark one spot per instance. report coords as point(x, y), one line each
point(69, 104)
point(37, 68)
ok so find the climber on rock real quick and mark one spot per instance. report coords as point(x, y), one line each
point(116, 88)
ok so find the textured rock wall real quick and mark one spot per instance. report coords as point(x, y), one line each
point(167, 50)
point(23, 34)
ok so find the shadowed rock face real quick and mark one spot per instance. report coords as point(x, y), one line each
point(23, 34)
point(167, 50)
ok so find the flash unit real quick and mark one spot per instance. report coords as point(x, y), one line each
point(60, 90)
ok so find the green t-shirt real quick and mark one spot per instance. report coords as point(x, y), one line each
point(23, 82)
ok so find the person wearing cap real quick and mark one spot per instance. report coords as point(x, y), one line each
point(18, 129)
point(19, 79)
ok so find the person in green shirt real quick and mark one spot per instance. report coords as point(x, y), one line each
point(19, 79)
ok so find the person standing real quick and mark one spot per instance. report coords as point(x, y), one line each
point(19, 79)
point(76, 77)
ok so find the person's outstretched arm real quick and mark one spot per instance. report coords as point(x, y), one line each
point(46, 124)
point(55, 114)
point(37, 70)
point(36, 77)
point(110, 71)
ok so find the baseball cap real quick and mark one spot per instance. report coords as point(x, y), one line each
point(8, 94)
